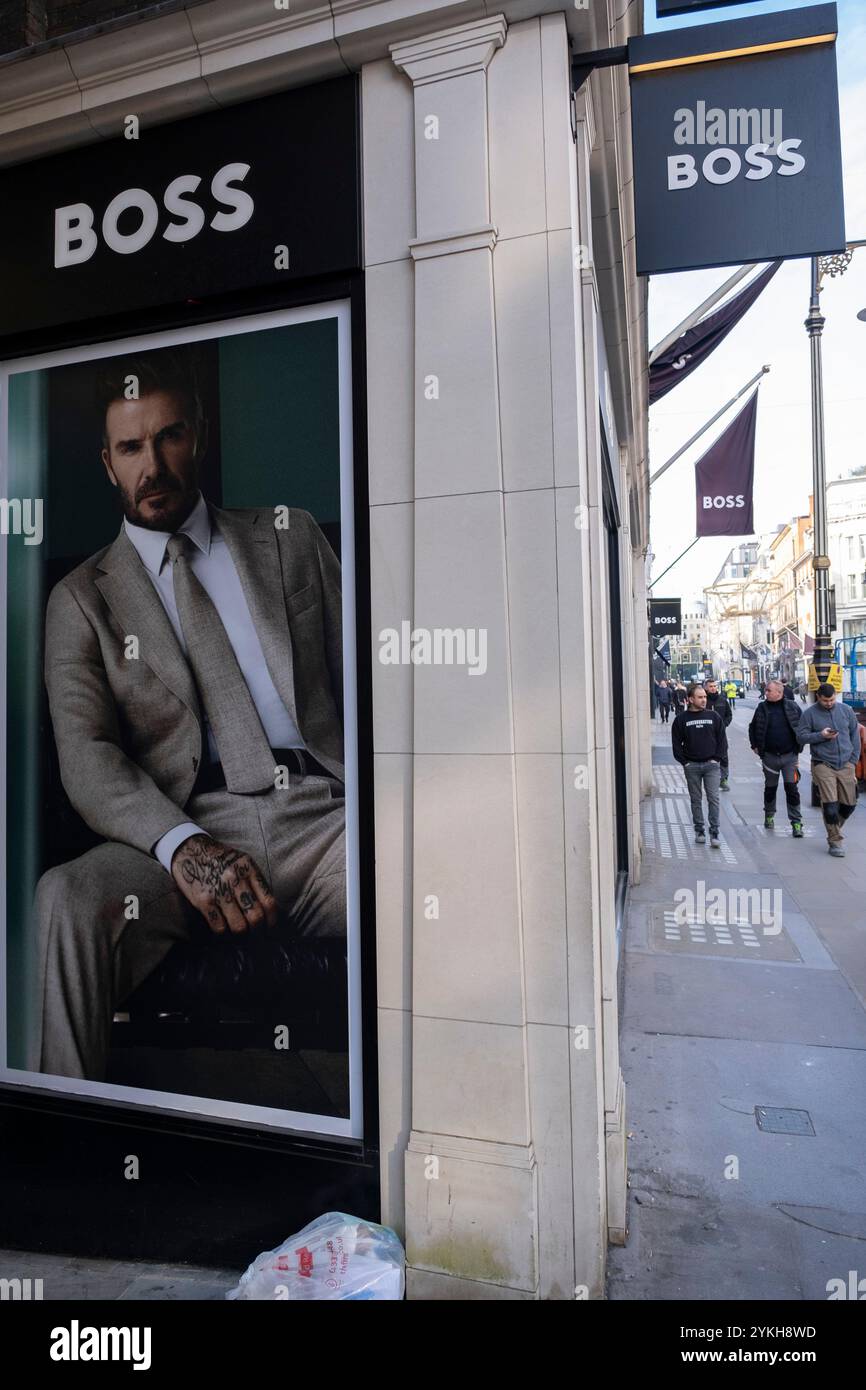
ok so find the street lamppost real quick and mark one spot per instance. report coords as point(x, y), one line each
point(821, 266)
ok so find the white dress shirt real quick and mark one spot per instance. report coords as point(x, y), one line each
point(214, 568)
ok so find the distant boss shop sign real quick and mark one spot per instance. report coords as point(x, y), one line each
point(75, 234)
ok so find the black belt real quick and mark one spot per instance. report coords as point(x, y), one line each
point(297, 760)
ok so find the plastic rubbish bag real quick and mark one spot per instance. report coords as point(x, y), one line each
point(336, 1256)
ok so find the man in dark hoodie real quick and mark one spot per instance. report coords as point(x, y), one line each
point(773, 736)
point(663, 700)
point(719, 702)
point(700, 746)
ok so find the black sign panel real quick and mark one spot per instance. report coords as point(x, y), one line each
point(737, 159)
point(254, 195)
point(671, 7)
point(666, 617)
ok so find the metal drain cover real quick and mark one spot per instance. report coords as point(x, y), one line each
point(775, 1121)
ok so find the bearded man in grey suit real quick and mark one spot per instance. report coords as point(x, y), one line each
point(194, 675)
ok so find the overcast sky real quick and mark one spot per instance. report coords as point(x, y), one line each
point(773, 331)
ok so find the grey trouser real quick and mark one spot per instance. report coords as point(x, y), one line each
point(837, 788)
point(91, 956)
point(700, 777)
point(786, 764)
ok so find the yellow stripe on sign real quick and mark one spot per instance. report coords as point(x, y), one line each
point(731, 53)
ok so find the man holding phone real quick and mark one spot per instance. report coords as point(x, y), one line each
point(830, 728)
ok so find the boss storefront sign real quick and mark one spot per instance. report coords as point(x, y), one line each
point(251, 196)
point(666, 617)
point(736, 142)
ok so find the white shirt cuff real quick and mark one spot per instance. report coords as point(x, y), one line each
point(164, 848)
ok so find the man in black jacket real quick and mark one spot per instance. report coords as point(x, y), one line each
point(663, 700)
point(718, 701)
point(700, 745)
point(773, 737)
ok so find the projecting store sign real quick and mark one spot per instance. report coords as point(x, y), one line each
point(245, 198)
point(737, 158)
point(666, 617)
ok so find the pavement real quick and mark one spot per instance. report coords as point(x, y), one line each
point(743, 1048)
point(67, 1279)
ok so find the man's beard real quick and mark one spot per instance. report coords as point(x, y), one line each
point(169, 513)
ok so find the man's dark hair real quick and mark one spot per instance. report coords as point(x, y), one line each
point(826, 690)
point(164, 369)
point(695, 685)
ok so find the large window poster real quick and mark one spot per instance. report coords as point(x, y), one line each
point(181, 905)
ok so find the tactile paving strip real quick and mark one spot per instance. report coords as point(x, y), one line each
point(734, 936)
point(666, 824)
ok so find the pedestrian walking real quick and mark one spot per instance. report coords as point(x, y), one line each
point(830, 729)
point(679, 696)
point(722, 706)
point(700, 746)
point(663, 700)
point(773, 737)
point(731, 693)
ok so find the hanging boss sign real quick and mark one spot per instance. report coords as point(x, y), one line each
point(735, 129)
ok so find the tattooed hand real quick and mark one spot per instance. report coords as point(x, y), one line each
point(226, 885)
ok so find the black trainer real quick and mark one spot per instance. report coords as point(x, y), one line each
point(797, 829)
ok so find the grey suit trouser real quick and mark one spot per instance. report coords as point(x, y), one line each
point(93, 950)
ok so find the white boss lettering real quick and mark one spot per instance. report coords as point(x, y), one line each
point(713, 174)
point(724, 165)
point(681, 171)
point(731, 500)
point(178, 205)
point(241, 202)
point(76, 239)
point(794, 162)
point(127, 244)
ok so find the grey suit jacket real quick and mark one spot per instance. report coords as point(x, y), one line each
point(128, 731)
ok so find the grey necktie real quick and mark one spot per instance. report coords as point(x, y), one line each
point(246, 757)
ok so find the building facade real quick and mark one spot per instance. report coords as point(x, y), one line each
point(500, 379)
point(694, 622)
point(791, 607)
point(846, 525)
